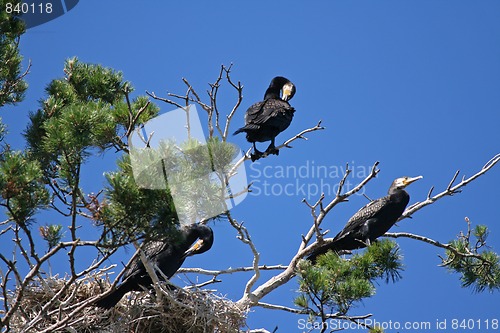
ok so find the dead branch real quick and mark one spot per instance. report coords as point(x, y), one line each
point(251, 299)
point(192, 96)
point(239, 89)
point(230, 270)
point(281, 308)
point(166, 100)
point(301, 135)
point(244, 236)
point(433, 242)
point(213, 102)
point(203, 284)
point(338, 199)
point(450, 189)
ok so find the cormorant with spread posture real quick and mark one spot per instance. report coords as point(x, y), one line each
point(168, 256)
point(371, 221)
point(265, 120)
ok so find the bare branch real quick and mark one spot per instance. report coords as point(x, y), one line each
point(239, 89)
point(338, 199)
point(319, 203)
point(281, 308)
point(450, 189)
point(166, 100)
point(342, 182)
point(251, 299)
point(367, 197)
point(197, 98)
point(286, 144)
point(433, 242)
point(191, 96)
point(203, 284)
point(213, 102)
point(244, 236)
point(452, 181)
point(230, 270)
point(417, 237)
point(135, 118)
point(352, 318)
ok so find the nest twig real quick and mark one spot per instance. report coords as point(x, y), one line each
point(186, 311)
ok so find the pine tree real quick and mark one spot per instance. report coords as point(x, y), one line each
point(12, 85)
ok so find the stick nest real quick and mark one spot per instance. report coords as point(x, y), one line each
point(57, 305)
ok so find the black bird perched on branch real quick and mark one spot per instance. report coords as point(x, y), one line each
point(168, 256)
point(371, 221)
point(265, 120)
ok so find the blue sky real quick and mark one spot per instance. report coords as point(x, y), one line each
point(412, 84)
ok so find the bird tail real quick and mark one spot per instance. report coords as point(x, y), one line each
point(243, 129)
point(247, 127)
point(313, 256)
point(335, 246)
point(112, 299)
point(341, 245)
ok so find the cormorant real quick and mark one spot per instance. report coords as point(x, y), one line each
point(371, 221)
point(265, 120)
point(168, 256)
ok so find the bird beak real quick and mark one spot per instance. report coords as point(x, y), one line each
point(411, 180)
point(288, 91)
point(196, 246)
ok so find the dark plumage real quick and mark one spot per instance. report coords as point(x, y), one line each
point(371, 221)
point(168, 256)
point(265, 120)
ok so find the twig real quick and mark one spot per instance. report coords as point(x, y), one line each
point(301, 135)
point(9, 85)
point(281, 308)
point(166, 100)
point(285, 144)
point(239, 89)
point(433, 242)
point(230, 270)
point(244, 236)
point(76, 308)
point(450, 189)
point(338, 199)
point(197, 98)
point(319, 203)
point(203, 284)
point(213, 102)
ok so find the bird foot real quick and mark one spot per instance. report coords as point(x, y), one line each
point(256, 155)
point(272, 151)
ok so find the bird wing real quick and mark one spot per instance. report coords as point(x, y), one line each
point(369, 211)
point(151, 250)
point(267, 112)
